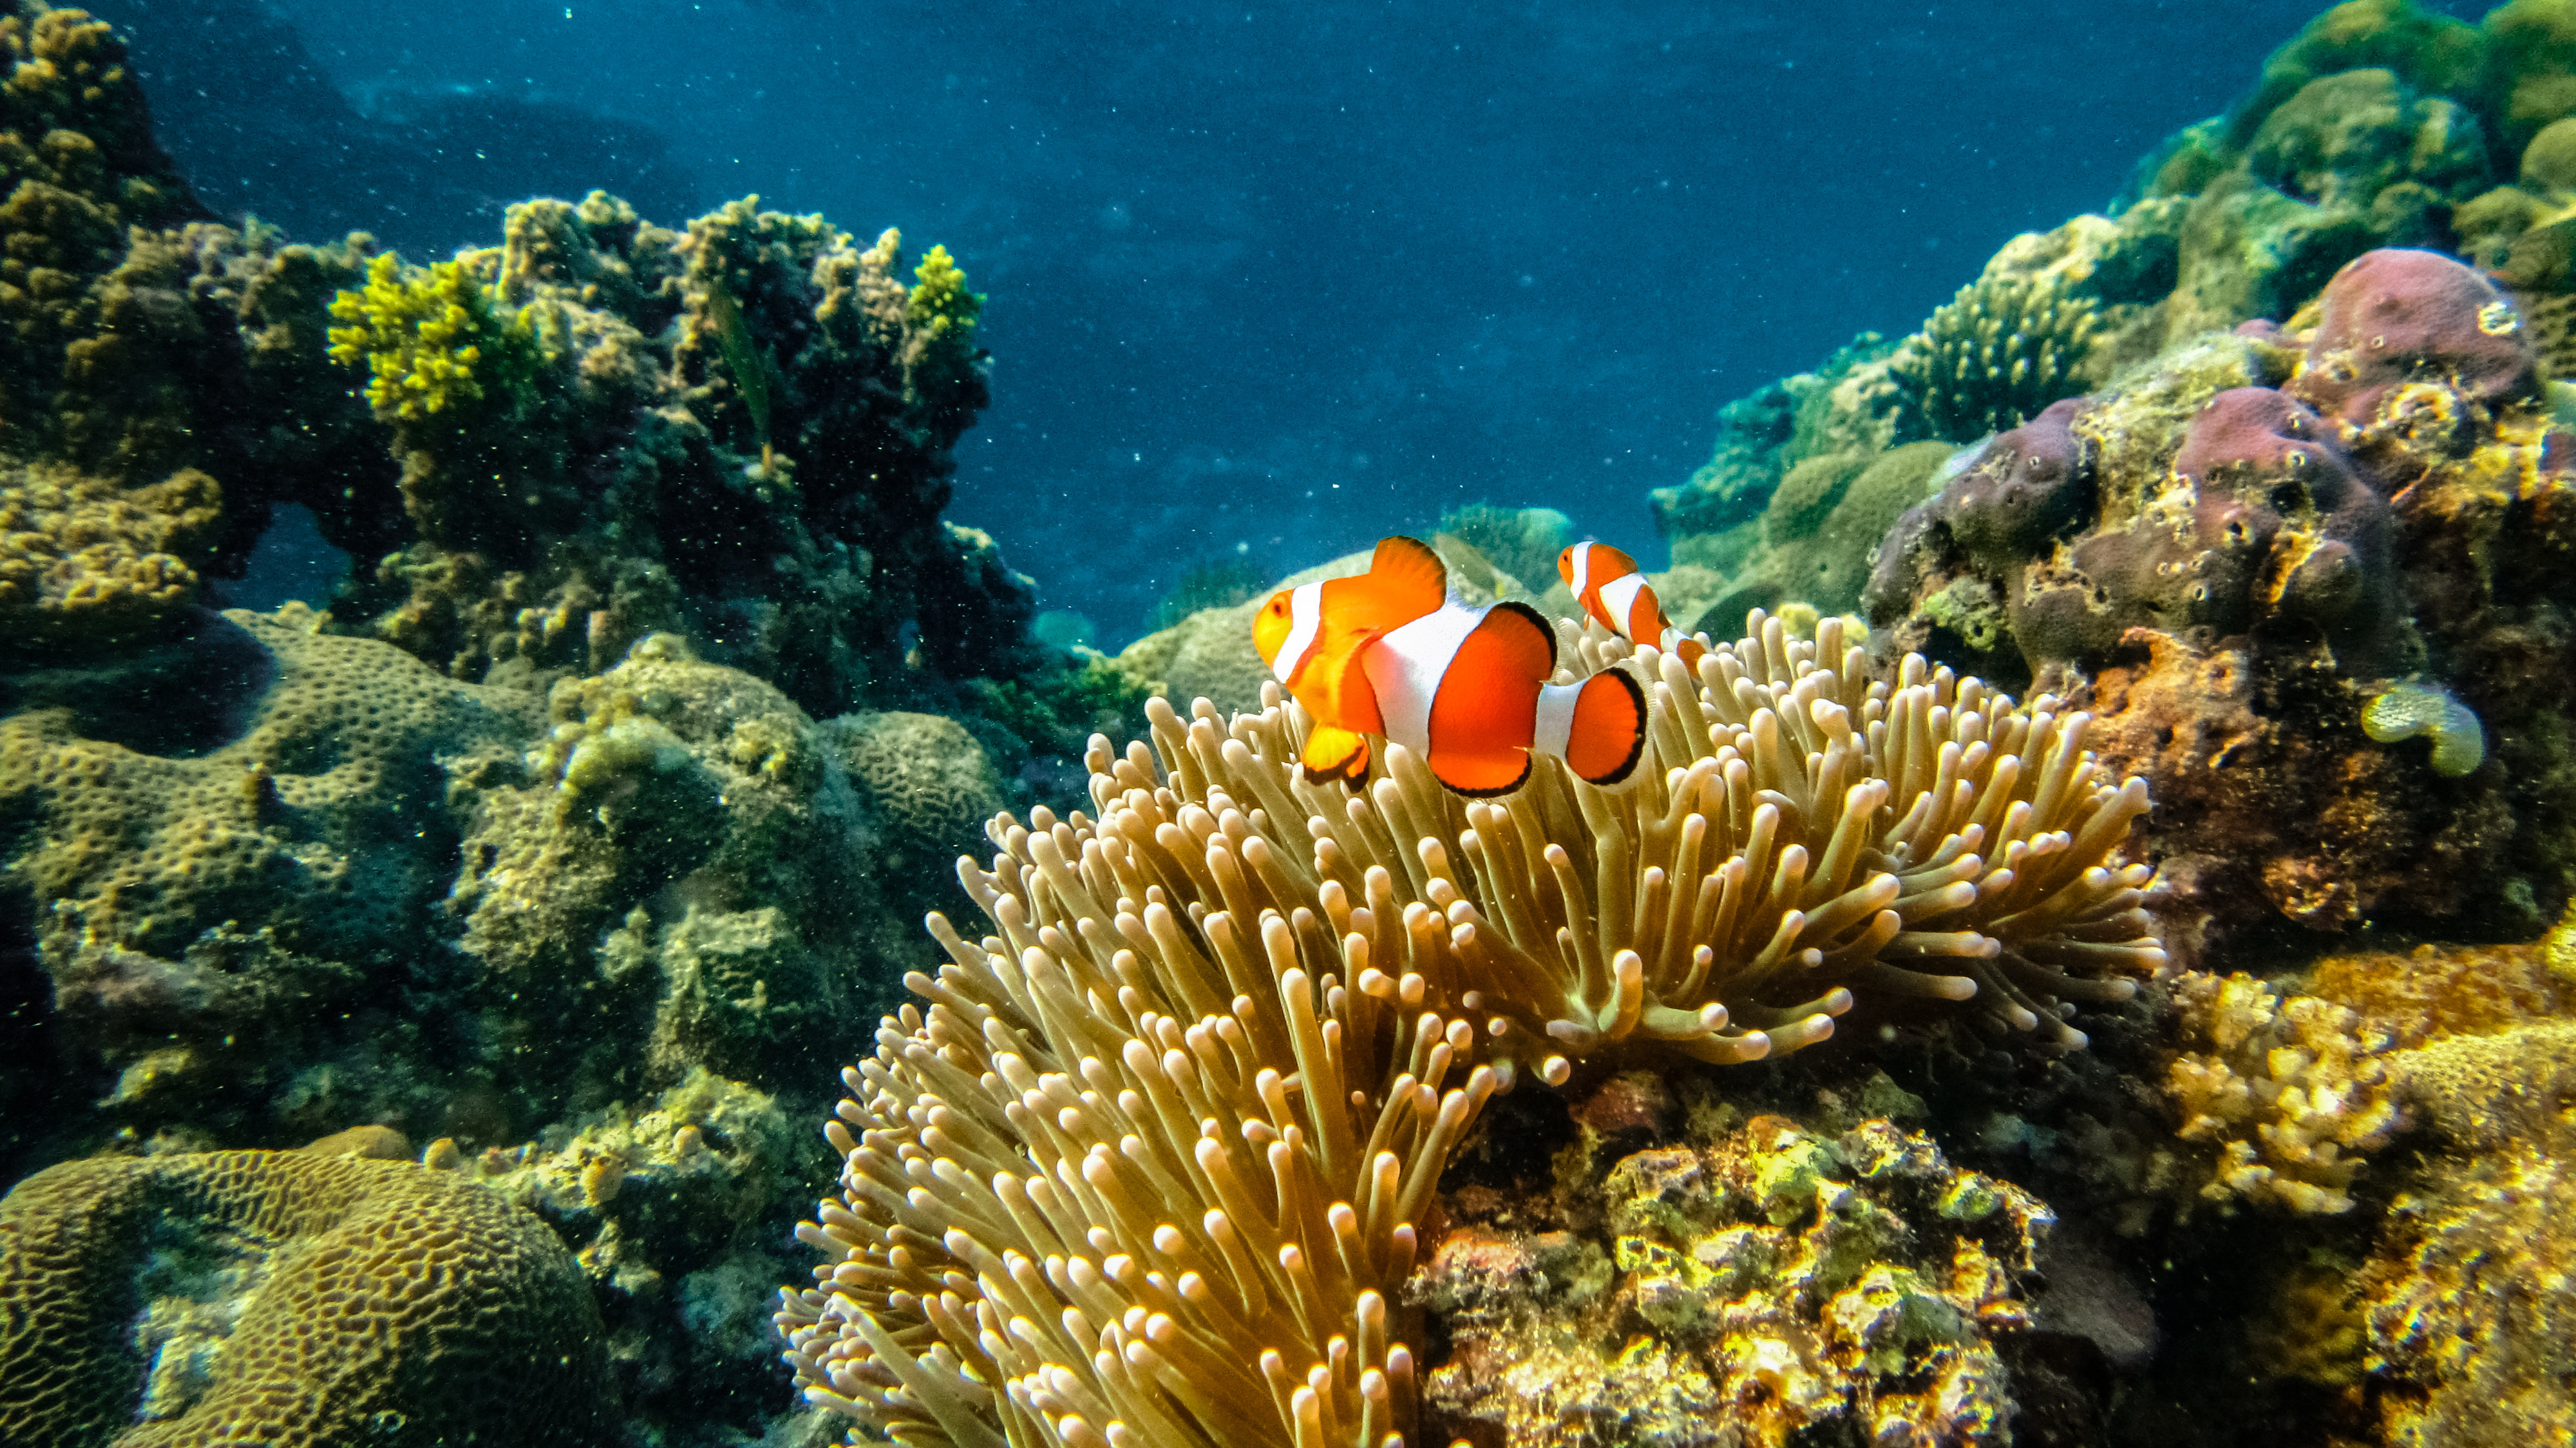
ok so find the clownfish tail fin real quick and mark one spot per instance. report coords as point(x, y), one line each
point(1598, 727)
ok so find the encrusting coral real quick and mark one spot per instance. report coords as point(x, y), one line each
point(1758, 1282)
point(290, 1298)
point(1090, 1127)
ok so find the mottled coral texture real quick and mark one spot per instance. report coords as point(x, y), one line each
point(2231, 552)
point(1756, 1282)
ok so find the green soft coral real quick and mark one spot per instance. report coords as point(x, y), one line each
point(428, 338)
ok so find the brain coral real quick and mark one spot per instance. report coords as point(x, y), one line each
point(926, 777)
point(287, 1299)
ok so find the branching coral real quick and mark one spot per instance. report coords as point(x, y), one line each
point(2285, 1090)
point(2001, 350)
point(1183, 1112)
point(422, 337)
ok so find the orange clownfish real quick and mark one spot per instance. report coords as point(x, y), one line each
point(1606, 582)
point(1465, 688)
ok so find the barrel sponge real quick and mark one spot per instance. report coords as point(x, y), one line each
point(84, 562)
point(374, 1301)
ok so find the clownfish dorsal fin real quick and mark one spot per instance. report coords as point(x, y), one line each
point(1332, 754)
point(1407, 579)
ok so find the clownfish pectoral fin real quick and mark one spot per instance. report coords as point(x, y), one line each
point(1598, 726)
point(1682, 646)
point(1332, 753)
point(1406, 579)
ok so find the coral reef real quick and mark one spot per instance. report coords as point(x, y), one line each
point(531, 843)
point(2243, 558)
point(2468, 1305)
point(287, 1298)
point(1759, 1282)
point(2282, 1089)
point(676, 1213)
point(85, 561)
point(1817, 535)
point(1385, 931)
point(798, 416)
point(1523, 543)
point(296, 880)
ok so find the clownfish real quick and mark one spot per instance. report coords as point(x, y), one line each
point(1465, 688)
point(1606, 582)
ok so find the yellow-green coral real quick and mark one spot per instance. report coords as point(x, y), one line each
point(2285, 1091)
point(940, 308)
point(2409, 709)
point(939, 352)
point(1792, 1286)
point(422, 337)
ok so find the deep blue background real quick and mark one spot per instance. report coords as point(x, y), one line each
point(1265, 280)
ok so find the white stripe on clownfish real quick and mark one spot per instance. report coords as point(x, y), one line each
point(1405, 667)
point(1306, 620)
point(1555, 724)
point(1582, 569)
point(1619, 598)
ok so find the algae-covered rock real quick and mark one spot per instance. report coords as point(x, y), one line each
point(674, 1209)
point(1784, 1283)
point(257, 905)
point(1818, 535)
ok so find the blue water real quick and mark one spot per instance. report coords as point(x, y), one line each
point(1266, 281)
